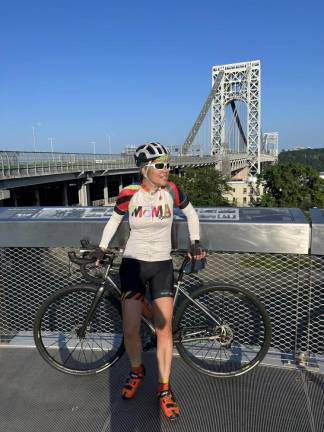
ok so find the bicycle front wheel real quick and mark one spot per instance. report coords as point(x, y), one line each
point(222, 331)
point(59, 339)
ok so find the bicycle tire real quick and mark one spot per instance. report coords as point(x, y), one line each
point(235, 345)
point(56, 327)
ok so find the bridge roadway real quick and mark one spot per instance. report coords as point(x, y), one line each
point(35, 397)
point(23, 164)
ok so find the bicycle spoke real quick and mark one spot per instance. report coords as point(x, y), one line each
point(99, 345)
point(57, 341)
point(71, 353)
point(101, 348)
point(91, 353)
point(49, 346)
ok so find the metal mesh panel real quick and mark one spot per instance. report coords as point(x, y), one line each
point(310, 329)
point(290, 286)
point(27, 277)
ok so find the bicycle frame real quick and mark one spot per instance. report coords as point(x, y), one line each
point(230, 347)
point(177, 286)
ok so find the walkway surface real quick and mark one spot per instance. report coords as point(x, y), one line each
point(35, 397)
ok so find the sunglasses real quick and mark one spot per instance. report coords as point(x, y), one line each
point(159, 165)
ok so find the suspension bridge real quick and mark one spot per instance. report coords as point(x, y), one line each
point(227, 134)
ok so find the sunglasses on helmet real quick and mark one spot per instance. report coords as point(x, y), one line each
point(159, 165)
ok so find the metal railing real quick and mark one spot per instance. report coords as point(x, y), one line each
point(16, 164)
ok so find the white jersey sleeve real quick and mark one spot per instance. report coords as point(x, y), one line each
point(193, 222)
point(110, 229)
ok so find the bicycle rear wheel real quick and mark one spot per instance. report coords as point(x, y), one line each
point(57, 328)
point(223, 331)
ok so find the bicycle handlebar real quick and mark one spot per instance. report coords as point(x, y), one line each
point(77, 260)
point(88, 257)
point(88, 254)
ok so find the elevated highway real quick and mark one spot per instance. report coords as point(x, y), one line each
point(14, 164)
point(73, 173)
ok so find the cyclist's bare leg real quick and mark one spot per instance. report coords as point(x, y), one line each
point(163, 311)
point(132, 310)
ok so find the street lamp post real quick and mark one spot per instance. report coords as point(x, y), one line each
point(108, 144)
point(94, 148)
point(50, 139)
point(34, 138)
point(51, 143)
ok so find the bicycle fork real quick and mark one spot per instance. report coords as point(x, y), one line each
point(91, 312)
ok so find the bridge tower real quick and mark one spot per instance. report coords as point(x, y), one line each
point(241, 82)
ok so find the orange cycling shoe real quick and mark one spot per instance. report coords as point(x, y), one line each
point(133, 382)
point(168, 404)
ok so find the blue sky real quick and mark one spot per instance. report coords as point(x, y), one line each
point(79, 71)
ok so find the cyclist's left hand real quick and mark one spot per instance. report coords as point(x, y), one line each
point(196, 252)
point(98, 253)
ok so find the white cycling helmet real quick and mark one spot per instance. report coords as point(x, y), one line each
point(148, 152)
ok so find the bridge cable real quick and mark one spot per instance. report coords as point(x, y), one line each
point(238, 122)
point(194, 130)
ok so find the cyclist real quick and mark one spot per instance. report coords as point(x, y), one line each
point(147, 261)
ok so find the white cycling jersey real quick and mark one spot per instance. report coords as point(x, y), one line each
point(150, 220)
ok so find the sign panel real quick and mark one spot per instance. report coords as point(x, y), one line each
point(56, 213)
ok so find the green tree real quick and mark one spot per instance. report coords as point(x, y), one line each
point(310, 157)
point(291, 185)
point(204, 186)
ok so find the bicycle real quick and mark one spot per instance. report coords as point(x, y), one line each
point(219, 330)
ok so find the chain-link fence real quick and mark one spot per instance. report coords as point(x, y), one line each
point(290, 286)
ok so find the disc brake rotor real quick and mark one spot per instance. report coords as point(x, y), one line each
point(223, 335)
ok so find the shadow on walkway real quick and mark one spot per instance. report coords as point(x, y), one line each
point(35, 396)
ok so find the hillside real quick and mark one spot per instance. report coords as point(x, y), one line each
point(310, 157)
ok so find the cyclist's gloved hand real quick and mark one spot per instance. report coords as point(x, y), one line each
point(196, 252)
point(97, 253)
point(197, 256)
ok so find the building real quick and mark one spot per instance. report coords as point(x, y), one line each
point(243, 191)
